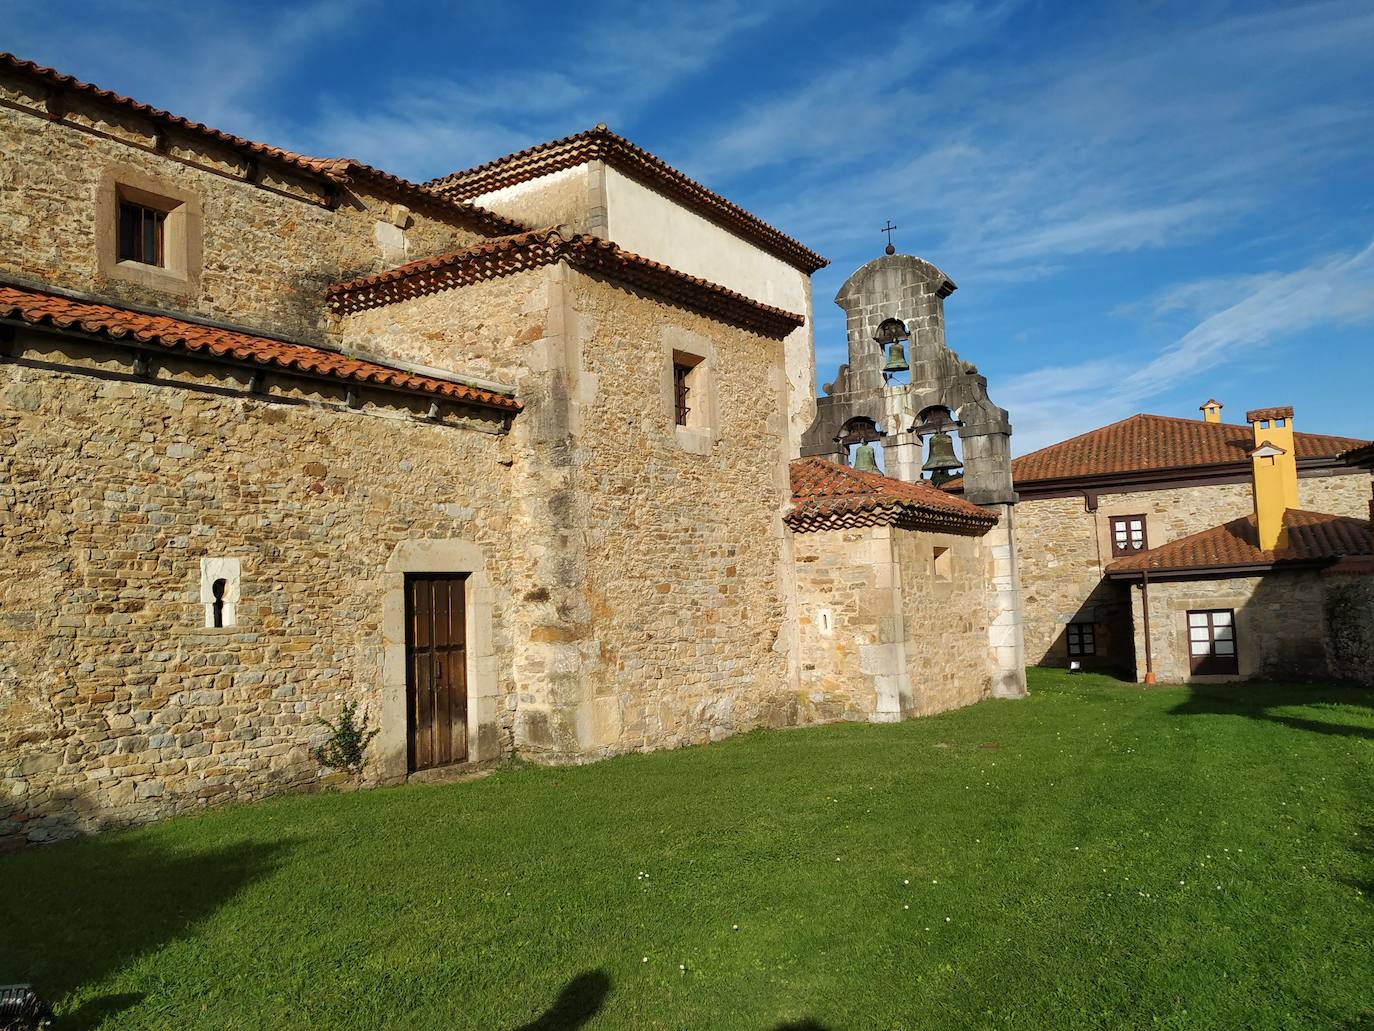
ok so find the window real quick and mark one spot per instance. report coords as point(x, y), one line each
point(943, 563)
point(682, 391)
point(1212, 642)
point(1128, 534)
point(219, 591)
point(1082, 640)
point(148, 232)
point(141, 232)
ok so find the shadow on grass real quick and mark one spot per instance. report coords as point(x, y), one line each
point(76, 914)
point(579, 1001)
point(805, 1024)
point(1255, 700)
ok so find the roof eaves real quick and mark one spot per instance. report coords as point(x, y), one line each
point(600, 143)
point(334, 171)
point(537, 248)
point(39, 308)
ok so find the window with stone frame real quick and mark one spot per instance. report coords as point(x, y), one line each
point(1082, 639)
point(1128, 535)
point(149, 231)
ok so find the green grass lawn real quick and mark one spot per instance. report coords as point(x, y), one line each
point(1101, 855)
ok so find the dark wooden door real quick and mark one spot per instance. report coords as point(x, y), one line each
point(436, 670)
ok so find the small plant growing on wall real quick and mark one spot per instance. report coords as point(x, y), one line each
point(346, 746)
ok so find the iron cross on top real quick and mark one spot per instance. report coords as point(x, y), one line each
point(888, 230)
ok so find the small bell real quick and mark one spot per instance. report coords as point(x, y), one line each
point(942, 461)
point(865, 460)
point(896, 359)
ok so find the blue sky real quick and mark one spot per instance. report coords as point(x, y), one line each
point(1144, 205)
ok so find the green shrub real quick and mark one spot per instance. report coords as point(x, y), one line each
point(346, 746)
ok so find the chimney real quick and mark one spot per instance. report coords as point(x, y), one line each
point(1211, 410)
point(1275, 469)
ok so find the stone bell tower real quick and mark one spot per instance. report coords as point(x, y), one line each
point(895, 309)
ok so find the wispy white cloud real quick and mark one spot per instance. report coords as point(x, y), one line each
point(1056, 402)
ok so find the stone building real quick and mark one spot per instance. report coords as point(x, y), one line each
point(1137, 484)
point(908, 403)
point(1280, 592)
point(279, 433)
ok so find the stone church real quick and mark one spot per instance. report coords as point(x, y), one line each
point(524, 461)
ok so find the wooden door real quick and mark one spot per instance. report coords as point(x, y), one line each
point(436, 669)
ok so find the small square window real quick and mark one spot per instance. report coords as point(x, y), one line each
point(149, 232)
point(1082, 639)
point(943, 563)
point(141, 234)
point(1128, 535)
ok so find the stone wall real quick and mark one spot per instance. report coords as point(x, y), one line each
point(1348, 613)
point(881, 637)
point(651, 555)
point(599, 199)
point(262, 252)
point(117, 703)
point(1297, 624)
point(1063, 548)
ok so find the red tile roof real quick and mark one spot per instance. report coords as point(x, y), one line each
point(339, 171)
point(1258, 414)
point(1145, 443)
point(830, 496)
point(37, 307)
point(511, 254)
point(601, 144)
point(1313, 538)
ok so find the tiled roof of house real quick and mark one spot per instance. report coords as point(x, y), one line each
point(340, 171)
point(37, 307)
point(1279, 412)
point(494, 258)
point(830, 496)
point(1313, 538)
point(1145, 443)
point(600, 143)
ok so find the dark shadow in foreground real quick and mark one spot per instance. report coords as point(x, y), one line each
point(78, 913)
point(579, 1001)
point(805, 1024)
point(1254, 700)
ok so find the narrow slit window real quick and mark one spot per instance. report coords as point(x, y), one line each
point(141, 234)
point(218, 589)
point(682, 392)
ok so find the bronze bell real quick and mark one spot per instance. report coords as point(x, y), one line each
point(896, 359)
point(865, 459)
point(942, 461)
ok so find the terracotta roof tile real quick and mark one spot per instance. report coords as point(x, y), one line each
point(1313, 537)
point(1144, 443)
point(829, 496)
point(37, 307)
point(600, 143)
point(507, 255)
point(1258, 414)
point(340, 171)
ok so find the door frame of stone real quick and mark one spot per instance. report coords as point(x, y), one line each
point(454, 556)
